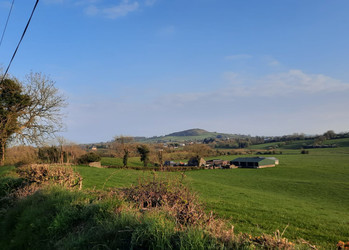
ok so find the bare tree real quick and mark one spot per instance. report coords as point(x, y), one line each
point(29, 112)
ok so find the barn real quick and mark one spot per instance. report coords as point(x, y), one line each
point(253, 162)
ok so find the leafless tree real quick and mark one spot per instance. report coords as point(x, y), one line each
point(29, 112)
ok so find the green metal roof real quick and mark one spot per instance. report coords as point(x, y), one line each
point(249, 159)
point(260, 160)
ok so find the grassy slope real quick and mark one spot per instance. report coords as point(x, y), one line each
point(310, 193)
point(299, 144)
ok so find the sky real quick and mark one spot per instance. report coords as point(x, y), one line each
point(153, 67)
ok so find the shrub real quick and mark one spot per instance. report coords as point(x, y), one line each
point(21, 155)
point(172, 195)
point(45, 174)
point(89, 157)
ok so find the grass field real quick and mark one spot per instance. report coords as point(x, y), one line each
point(132, 161)
point(307, 193)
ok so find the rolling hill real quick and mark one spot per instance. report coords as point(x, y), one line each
point(195, 134)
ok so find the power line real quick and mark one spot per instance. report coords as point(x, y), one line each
point(8, 17)
point(25, 30)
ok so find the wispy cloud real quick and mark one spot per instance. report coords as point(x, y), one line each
point(282, 85)
point(167, 31)
point(114, 11)
point(150, 2)
point(273, 104)
point(238, 57)
point(118, 9)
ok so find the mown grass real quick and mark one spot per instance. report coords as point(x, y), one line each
point(307, 193)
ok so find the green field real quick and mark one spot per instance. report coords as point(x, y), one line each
point(307, 193)
point(132, 161)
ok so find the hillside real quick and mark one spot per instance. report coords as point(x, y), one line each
point(191, 135)
point(190, 132)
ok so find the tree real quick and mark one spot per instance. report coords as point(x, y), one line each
point(330, 134)
point(144, 151)
point(200, 150)
point(123, 141)
point(30, 112)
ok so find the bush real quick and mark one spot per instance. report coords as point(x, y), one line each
point(172, 195)
point(89, 157)
point(21, 155)
point(46, 174)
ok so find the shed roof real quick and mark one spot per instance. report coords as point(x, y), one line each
point(249, 159)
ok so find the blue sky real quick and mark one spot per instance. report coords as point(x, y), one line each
point(152, 67)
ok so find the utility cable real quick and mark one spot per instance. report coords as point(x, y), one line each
point(25, 30)
point(8, 17)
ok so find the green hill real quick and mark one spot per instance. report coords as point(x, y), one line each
point(190, 132)
point(191, 135)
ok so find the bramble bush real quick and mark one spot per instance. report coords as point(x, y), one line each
point(88, 158)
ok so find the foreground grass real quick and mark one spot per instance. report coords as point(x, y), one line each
point(39, 213)
point(61, 219)
point(307, 193)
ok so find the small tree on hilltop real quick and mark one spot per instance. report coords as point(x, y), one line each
point(144, 151)
point(30, 112)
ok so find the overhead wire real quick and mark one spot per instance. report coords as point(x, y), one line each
point(25, 30)
point(8, 18)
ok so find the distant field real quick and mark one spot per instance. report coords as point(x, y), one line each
point(299, 144)
point(132, 161)
point(339, 142)
point(283, 145)
point(309, 193)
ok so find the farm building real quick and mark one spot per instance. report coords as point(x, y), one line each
point(194, 161)
point(216, 163)
point(170, 163)
point(276, 160)
point(253, 162)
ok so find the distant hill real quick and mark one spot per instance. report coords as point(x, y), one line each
point(195, 134)
point(190, 132)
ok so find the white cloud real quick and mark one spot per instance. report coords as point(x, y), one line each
point(120, 10)
point(296, 81)
point(112, 12)
point(282, 84)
